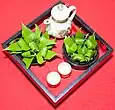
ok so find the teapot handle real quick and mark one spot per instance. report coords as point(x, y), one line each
point(72, 8)
point(46, 21)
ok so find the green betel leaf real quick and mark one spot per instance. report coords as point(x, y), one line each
point(16, 52)
point(68, 49)
point(25, 33)
point(39, 58)
point(12, 42)
point(42, 39)
point(95, 52)
point(37, 32)
point(78, 57)
point(79, 41)
point(27, 61)
point(87, 58)
point(82, 50)
point(79, 50)
point(73, 47)
point(50, 42)
point(45, 35)
point(50, 46)
point(79, 37)
point(23, 44)
point(42, 45)
point(89, 53)
point(13, 47)
point(32, 37)
point(79, 34)
point(93, 40)
point(33, 46)
point(89, 44)
point(26, 54)
point(50, 54)
point(68, 43)
point(45, 43)
point(73, 37)
point(44, 51)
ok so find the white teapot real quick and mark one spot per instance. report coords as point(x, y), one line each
point(59, 23)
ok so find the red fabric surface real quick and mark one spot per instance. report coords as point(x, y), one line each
point(17, 93)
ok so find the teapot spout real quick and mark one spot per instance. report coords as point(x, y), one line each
point(72, 8)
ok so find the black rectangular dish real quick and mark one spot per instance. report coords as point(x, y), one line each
point(56, 100)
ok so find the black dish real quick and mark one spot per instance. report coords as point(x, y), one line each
point(78, 65)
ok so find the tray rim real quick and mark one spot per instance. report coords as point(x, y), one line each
point(56, 100)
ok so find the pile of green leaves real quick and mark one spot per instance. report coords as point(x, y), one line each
point(33, 46)
point(81, 48)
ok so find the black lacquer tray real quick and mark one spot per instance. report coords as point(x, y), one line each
point(77, 81)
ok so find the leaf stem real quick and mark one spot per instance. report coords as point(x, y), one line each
point(80, 28)
point(86, 35)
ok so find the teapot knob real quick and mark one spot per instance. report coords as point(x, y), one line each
point(60, 7)
point(72, 8)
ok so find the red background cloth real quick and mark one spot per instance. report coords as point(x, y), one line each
point(17, 93)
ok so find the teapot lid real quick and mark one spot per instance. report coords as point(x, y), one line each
point(60, 12)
